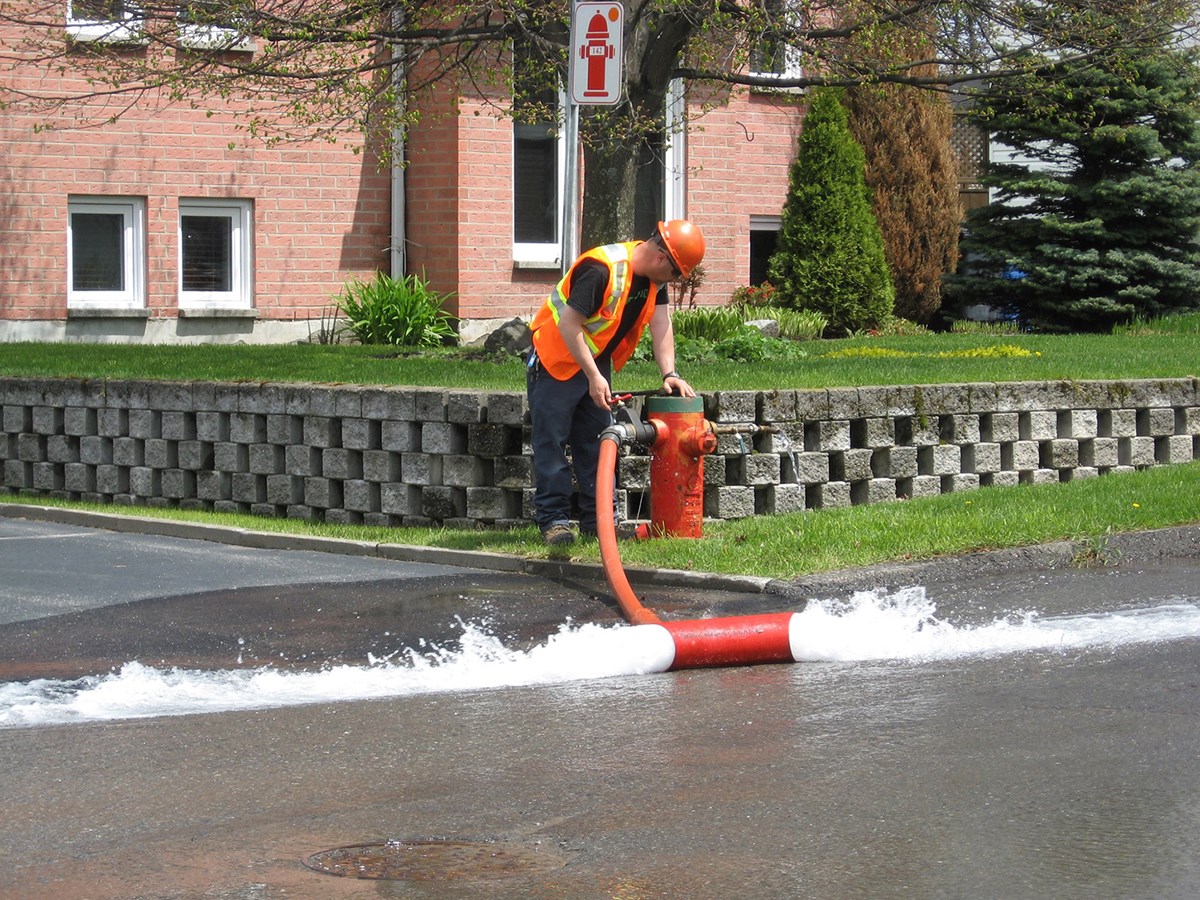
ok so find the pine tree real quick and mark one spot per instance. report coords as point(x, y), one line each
point(829, 257)
point(1102, 226)
point(913, 177)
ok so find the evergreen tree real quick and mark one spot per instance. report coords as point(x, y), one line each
point(829, 257)
point(913, 177)
point(1102, 225)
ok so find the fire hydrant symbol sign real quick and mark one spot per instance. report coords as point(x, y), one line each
point(597, 54)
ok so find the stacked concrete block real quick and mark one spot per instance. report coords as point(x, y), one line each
point(396, 456)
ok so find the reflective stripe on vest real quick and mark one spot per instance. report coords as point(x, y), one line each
point(600, 328)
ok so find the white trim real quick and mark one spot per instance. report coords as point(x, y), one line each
point(675, 153)
point(128, 29)
point(547, 255)
point(214, 37)
point(240, 214)
point(132, 211)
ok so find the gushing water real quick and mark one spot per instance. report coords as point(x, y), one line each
point(868, 627)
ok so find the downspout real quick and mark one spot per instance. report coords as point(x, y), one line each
point(398, 242)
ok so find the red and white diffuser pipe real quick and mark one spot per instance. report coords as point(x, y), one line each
point(681, 436)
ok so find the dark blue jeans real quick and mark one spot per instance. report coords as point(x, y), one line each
point(561, 415)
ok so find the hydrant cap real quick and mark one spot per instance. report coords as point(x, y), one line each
point(597, 28)
point(684, 241)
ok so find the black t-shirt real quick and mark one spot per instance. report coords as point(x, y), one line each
point(586, 295)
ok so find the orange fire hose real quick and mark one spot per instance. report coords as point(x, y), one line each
point(606, 530)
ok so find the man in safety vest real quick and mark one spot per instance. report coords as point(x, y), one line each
point(587, 329)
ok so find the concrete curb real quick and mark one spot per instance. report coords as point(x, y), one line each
point(472, 559)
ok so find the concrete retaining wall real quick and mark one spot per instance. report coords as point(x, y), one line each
point(419, 456)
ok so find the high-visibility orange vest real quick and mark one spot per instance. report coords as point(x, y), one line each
point(601, 328)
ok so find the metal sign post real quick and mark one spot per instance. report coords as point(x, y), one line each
point(595, 75)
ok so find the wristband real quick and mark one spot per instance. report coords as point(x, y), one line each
point(671, 374)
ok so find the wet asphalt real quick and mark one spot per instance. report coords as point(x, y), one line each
point(1037, 774)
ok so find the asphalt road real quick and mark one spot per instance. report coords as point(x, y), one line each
point(1064, 772)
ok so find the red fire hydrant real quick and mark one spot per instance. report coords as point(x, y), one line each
point(683, 437)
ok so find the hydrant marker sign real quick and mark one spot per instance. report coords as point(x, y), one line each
point(597, 53)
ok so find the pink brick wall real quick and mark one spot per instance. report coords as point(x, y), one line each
point(321, 213)
point(739, 152)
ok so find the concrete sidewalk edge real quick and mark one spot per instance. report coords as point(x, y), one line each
point(471, 559)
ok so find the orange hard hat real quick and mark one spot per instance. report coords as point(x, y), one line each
point(684, 241)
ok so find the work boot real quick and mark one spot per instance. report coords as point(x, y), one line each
point(558, 533)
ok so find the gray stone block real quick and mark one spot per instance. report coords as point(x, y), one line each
point(873, 433)
point(777, 406)
point(959, 429)
point(194, 455)
point(337, 462)
point(1156, 422)
point(210, 485)
point(144, 424)
point(964, 481)
point(62, 448)
point(421, 468)
point(443, 438)
point(981, 458)
point(894, 462)
point(812, 468)
point(466, 407)
point(227, 457)
point(1039, 425)
point(1175, 448)
point(248, 488)
point(830, 495)
point(361, 434)
point(145, 482)
point(322, 431)
point(178, 425)
point(322, 493)
point(828, 435)
point(285, 490)
point(492, 504)
point(361, 496)
point(462, 470)
point(128, 451)
point(161, 454)
point(731, 406)
point(48, 420)
point(79, 478)
point(267, 459)
point(729, 502)
point(850, 465)
point(301, 460)
point(507, 409)
point(1061, 453)
point(513, 472)
point(785, 498)
point(95, 450)
point(212, 426)
point(762, 469)
point(381, 465)
point(439, 502)
point(1000, 427)
point(926, 486)
point(430, 406)
point(47, 477)
point(947, 460)
point(1136, 451)
point(178, 484)
point(401, 436)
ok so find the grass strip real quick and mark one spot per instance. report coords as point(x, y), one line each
point(892, 360)
point(797, 544)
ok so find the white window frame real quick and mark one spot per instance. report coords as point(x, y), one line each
point(212, 37)
point(133, 263)
point(241, 216)
point(545, 255)
point(792, 67)
point(128, 29)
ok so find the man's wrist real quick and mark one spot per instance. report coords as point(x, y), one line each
point(671, 374)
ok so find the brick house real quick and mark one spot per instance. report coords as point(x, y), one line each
point(169, 225)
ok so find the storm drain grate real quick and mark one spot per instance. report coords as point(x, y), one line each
point(432, 860)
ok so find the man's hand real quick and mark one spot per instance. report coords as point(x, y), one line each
point(676, 385)
point(599, 390)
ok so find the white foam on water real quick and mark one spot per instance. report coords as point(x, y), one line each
point(868, 627)
point(905, 626)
